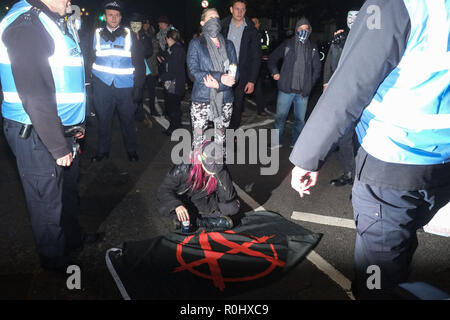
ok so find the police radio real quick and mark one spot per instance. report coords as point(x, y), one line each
point(74, 21)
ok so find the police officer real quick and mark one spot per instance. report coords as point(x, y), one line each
point(42, 75)
point(393, 82)
point(118, 74)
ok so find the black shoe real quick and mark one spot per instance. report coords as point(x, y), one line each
point(132, 156)
point(342, 180)
point(87, 239)
point(215, 223)
point(100, 157)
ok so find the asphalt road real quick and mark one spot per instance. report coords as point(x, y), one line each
point(118, 197)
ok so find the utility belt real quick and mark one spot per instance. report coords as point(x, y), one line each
point(69, 132)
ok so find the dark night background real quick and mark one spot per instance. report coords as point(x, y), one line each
point(185, 14)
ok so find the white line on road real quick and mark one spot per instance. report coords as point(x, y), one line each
point(313, 256)
point(320, 219)
point(257, 124)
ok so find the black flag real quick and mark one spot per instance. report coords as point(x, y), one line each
point(211, 265)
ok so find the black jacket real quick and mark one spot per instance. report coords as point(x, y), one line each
point(369, 56)
point(200, 64)
point(250, 52)
point(286, 51)
point(174, 68)
point(174, 192)
point(333, 56)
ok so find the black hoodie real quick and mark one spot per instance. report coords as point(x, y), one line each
point(310, 68)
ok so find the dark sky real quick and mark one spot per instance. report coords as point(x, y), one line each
point(185, 14)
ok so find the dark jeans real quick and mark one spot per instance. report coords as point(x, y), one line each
point(107, 99)
point(386, 222)
point(173, 110)
point(51, 195)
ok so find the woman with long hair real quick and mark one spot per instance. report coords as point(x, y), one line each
point(201, 192)
point(173, 77)
point(212, 64)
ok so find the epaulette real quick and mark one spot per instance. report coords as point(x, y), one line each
point(27, 17)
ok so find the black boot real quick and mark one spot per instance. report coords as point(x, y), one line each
point(344, 179)
point(215, 223)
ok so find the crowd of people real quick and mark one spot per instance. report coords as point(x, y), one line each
point(401, 172)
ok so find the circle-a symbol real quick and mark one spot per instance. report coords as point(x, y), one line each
point(211, 257)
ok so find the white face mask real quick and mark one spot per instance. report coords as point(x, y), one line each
point(351, 17)
point(136, 26)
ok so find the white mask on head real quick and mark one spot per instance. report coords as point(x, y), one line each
point(351, 17)
point(136, 26)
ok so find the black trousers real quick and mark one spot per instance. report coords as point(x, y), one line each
point(150, 86)
point(51, 196)
point(107, 99)
point(386, 223)
point(173, 110)
point(238, 106)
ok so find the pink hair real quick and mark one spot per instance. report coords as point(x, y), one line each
point(199, 179)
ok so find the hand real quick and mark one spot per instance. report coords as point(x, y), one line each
point(65, 161)
point(276, 77)
point(182, 214)
point(302, 180)
point(249, 88)
point(228, 80)
point(339, 31)
point(210, 82)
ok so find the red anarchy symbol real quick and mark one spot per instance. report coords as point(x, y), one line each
point(212, 257)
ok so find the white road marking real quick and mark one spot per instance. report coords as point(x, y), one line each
point(257, 124)
point(313, 256)
point(327, 220)
point(331, 272)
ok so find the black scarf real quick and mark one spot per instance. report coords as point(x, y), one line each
point(220, 62)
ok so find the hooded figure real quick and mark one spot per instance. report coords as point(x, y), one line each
point(346, 153)
point(201, 192)
point(299, 72)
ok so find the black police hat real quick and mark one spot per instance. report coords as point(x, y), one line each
point(113, 5)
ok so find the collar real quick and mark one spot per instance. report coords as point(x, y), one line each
point(112, 30)
point(41, 6)
point(243, 25)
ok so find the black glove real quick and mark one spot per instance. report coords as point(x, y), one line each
point(138, 92)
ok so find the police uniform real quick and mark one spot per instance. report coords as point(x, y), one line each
point(118, 73)
point(41, 71)
point(393, 82)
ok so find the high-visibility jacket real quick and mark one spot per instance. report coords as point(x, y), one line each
point(67, 68)
point(113, 62)
point(408, 120)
